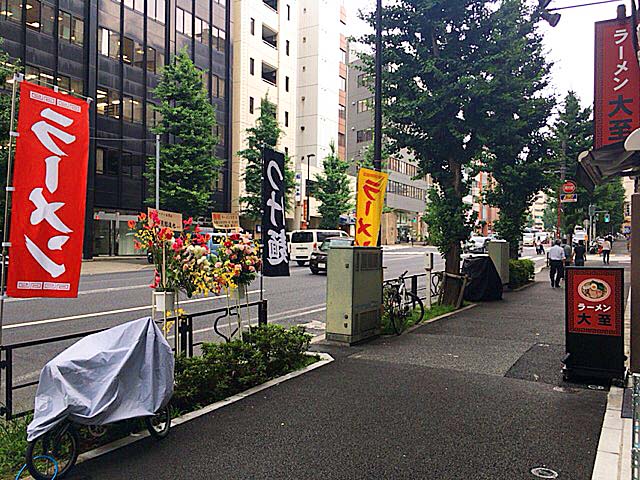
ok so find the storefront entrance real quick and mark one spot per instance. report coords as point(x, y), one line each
point(111, 234)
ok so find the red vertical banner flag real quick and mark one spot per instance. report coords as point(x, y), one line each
point(617, 83)
point(48, 203)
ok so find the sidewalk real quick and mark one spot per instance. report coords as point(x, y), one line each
point(478, 395)
point(100, 265)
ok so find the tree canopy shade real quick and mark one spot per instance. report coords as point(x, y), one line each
point(265, 134)
point(440, 62)
point(189, 166)
point(333, 190)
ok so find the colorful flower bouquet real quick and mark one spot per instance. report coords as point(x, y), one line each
point(237, 261)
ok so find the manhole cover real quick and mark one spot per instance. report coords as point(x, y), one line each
point(595, 387)
point(542, 472)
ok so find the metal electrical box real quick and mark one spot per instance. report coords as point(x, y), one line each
point(498, 250)
point(354, 294)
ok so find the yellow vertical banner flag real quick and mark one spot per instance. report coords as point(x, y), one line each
point(372, 186)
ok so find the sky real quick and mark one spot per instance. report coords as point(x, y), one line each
point(569, 44)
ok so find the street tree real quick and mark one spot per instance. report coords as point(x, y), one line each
point(265, 134)
point(189, 166)
point(518, 109)
point(437, 58)
point(333, 190)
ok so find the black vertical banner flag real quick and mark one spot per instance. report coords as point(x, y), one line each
point(275, 254)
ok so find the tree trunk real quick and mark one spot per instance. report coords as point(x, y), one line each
point(451, 287)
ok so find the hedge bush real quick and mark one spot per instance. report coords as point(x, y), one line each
point(225, 369)
point(521, 272)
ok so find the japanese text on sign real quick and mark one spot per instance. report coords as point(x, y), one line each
point(47, 221)
point(225, 221)
point(372, 186)
point(170, 220)
point(617, 98)
point(274, 234)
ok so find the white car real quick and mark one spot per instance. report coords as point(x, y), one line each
point(305, 242)
point(528, 239)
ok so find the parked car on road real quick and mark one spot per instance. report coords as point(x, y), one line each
point(318, 261)
point(475, 244)
point(305, 242)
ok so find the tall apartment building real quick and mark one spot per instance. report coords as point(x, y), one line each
point(406, 195)
point(538, 208)
point(484, 215)
point(265, 58)
point(112, 51)
point(321, 96)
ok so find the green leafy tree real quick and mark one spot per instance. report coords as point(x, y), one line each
point(333, 190)
point(437, 55)
point(7, 69)
point(609, 197)
point(518, 153)
point(265, 134)
point(189, 166)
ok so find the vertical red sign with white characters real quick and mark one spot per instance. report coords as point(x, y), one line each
point(617, 79)
point(48, 204)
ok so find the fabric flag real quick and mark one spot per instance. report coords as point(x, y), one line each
point(275, 252)
point(372, 186)
point(48, 204)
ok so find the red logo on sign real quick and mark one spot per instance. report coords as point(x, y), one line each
point(50, 178)
point(569, 187)
point(594, 301)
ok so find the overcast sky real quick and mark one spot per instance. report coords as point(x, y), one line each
point(570, 44)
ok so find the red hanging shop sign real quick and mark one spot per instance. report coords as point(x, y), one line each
point(617, 80)
point(48, 204)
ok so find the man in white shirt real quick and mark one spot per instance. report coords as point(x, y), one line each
point(557, 258)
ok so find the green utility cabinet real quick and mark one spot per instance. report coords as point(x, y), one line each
point(498, 250)
point(354, 294)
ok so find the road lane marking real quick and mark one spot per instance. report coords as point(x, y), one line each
point(105, 314)
point(86, 292)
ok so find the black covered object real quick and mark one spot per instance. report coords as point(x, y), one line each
point(484, 283)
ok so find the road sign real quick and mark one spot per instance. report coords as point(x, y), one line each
point(568, 197)
point(569, 186)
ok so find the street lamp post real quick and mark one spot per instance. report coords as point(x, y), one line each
point(377, 130)
point(306, 187)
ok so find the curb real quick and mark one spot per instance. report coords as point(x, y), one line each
point(523, 287)
point(439, 317)
point(325, 359)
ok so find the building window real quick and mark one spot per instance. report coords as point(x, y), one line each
point(64, 26)
point(364, 136)
point(342, 142)
point(363, 80)
point(342, 112)
point(273, 4)
point(77, 31)
point(155, 9)
point(217, 86)
point(14, 10)
point(33, 14)
point(99, 161)
point(48, 18)
point(253, 26)
point(108, 43)
point(127, 50)
point(286, 84)
point(286, 119)
point(343, 56)
point(202, 31)
point(343, 84)
point(252, 66)
point(269, 74)
point(287, 49)
point(288, 12)
point(269, 36)
point(251, 104)
point(364, 105)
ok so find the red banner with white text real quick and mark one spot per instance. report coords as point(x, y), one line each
point(48, 204)
point(617, 83)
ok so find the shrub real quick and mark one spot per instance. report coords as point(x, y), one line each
point(521, 272)
point(13, 443)
point(225, 369)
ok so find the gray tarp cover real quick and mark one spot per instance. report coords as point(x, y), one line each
point(124, 372)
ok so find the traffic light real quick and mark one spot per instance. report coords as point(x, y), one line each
point(607, 218)
point(551, 18)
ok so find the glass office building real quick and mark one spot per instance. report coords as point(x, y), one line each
point(113, 51)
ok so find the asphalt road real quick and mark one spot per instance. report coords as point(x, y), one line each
point(106, 300)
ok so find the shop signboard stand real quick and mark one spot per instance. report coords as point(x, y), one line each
point(594, 323)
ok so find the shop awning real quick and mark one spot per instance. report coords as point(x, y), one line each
point(596, 167)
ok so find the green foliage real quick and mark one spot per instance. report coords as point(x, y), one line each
point(13, 444)
point(333, 190)
point(521, 272)
point(229, 368)
point(189, 166)
point(265, 134)
point(518, 154)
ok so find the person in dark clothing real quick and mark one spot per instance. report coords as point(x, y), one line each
point(580, 254)
point(556, 264)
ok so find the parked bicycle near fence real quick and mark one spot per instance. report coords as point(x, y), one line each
point(400, 304)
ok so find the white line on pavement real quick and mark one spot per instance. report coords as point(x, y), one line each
point(86, 292)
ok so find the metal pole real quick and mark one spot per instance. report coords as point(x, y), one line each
point(563, 168)
point(7, 198)
point(157, 172)
point(377, 132)
point(306, 187)
point(635, 283)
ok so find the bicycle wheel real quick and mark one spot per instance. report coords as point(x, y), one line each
point(159, 424)
point(397, 314)
point(60, 444)
point(414, 302)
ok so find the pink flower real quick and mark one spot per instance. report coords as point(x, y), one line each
point(218, 265)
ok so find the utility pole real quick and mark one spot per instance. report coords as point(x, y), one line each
point(377, 131)
point(563, 169)
point(306, 187)
point(157, 172)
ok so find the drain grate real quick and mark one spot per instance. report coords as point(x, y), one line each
point(543, 472)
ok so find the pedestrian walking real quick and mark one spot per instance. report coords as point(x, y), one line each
point(580, 254)
point(606, 250)
point(568, 252)
point(556, 264)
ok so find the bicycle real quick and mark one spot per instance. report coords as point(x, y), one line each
point(399, 304)
point(61, 444)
